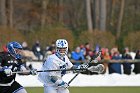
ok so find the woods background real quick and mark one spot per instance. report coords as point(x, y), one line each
point(108, 23)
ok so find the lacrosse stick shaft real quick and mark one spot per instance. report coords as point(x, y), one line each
point(28, 71)
point(73, 78)
point(20, 72)
point(59, 70)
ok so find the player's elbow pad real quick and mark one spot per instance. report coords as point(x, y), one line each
point(56, 80)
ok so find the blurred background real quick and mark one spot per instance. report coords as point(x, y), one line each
point(112, 26)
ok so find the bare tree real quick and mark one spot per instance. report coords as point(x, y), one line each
point(112, 11)
point(103, 15)
point(3, 12)
point(11, 9)
point(43, 15)
point(61, 11)
point(96, 7)
point(89, 17)
point(120, 18)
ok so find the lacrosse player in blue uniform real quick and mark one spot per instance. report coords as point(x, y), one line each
point(10, 61)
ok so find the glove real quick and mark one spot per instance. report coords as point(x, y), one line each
point(33, 72)
point(83, 66)
point(63, 84)
point(7, 71)
point(22, 68)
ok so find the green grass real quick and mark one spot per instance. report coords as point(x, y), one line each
point(91, 90)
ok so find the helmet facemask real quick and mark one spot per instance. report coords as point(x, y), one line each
point(18, 54)
point(62, 51)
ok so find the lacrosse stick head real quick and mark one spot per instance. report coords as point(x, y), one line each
point(99, 68)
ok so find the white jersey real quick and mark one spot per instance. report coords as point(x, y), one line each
point(54, 63)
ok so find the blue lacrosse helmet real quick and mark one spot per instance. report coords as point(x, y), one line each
point(11, 49)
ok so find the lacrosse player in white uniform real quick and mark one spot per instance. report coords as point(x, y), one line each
point(52, 81)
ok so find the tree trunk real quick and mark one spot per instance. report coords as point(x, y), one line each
point(61, 11)
point(3, 12)
point(96, 5)
point(103, 15)
point(120, 18)
point(89, 18)
point(43, 15)
point(11, 13)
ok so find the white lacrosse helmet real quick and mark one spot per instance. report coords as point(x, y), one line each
point(61, 47)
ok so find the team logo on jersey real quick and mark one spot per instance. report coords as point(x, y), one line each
point(63, 67)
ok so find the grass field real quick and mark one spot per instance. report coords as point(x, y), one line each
point(91, 89)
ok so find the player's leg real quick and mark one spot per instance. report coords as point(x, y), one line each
point(63, 90)
point(17, 88)
point(49, 89)
point(21, 91)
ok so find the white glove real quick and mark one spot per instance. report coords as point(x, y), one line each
point(83, 66)
point(63, 84)
point(7, 71)
point(22, 68)
point(33, 72)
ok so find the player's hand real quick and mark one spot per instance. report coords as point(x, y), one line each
point(22, 68)
point(83, 66)
point(33, 72)
point(63, 84)
point(80, 68)
point(7, 71)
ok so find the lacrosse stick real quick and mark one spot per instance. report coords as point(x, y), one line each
point(87, 64)
point(99, 69)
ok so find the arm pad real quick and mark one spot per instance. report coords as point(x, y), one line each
point(56, 80)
